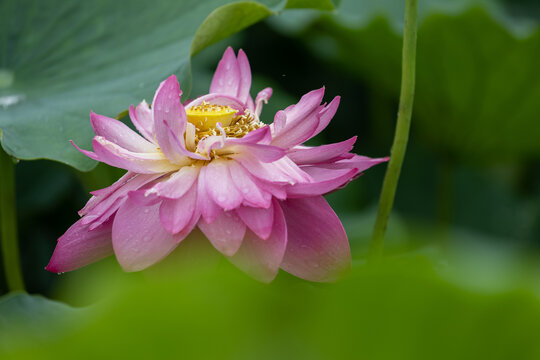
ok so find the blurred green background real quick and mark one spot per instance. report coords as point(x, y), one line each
point(462, 273)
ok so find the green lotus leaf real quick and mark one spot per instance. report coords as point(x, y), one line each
point(61, 59)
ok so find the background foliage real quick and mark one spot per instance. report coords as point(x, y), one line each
point(461, 278)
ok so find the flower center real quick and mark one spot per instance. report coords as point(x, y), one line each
point(205, 116)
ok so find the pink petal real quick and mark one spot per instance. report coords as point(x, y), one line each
point(252, 194)
point(245, 77)
point(280, 120)
point(79, 247)
point(209, 143)
point(259, 220)
point(226, 79)
point(317, 248)
point(138, 238)
point(281, 171)
point(324, 182)
point(326, 115)
point(105, 206)
point(208, 208)
point(262, 258)
point(358, 162)
point(262, 97)
point(220, 186)
point(225, 232)
point(262, 136)
point(100, 194)
point(178, 146)
point(117, 132)
point(264, 153)
point(301, 122)
point(169, 113)
point(320, 154)
point(175, 214)
point(141, 117)
point(142, 163)
point(178, 183)
point(306, 106)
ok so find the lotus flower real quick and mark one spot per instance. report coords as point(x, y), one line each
point(252, 189)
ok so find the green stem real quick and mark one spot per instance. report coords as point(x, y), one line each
point(8, 224)
point(401, 135)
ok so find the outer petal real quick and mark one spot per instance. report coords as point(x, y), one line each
point(175, 214)
point(262, 258)
point(117, 132)
point(142, 163)
point(259, 220)
point(321, 154)
point(79, 247)
point(317, 248)
point(220, 185)
point(100, 194)
point(225, 232)
point(139, 240)
point(226, 79)
point(169, 113)
point(326, 115)
point(358, 162)
point(325, 181)
point(105, 206)
point(141, 117)
point(302, 120)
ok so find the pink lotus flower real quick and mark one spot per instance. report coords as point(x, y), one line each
point(251, 188)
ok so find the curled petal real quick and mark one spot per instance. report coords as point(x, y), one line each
point(326, 115)
point(317, 247)
point(138, 238)
point(141, 117)
point(262, 258)
point(302, 120)
point(79, 247)
point(225, 232)
point(100, 194)
point(262, 97)
point(169, 117)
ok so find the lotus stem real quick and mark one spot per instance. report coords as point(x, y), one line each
point(8, 224)
point(401, 135)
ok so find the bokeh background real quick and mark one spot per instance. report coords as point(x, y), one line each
point(461, 278)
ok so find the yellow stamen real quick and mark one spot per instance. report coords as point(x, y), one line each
point(205, 116)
